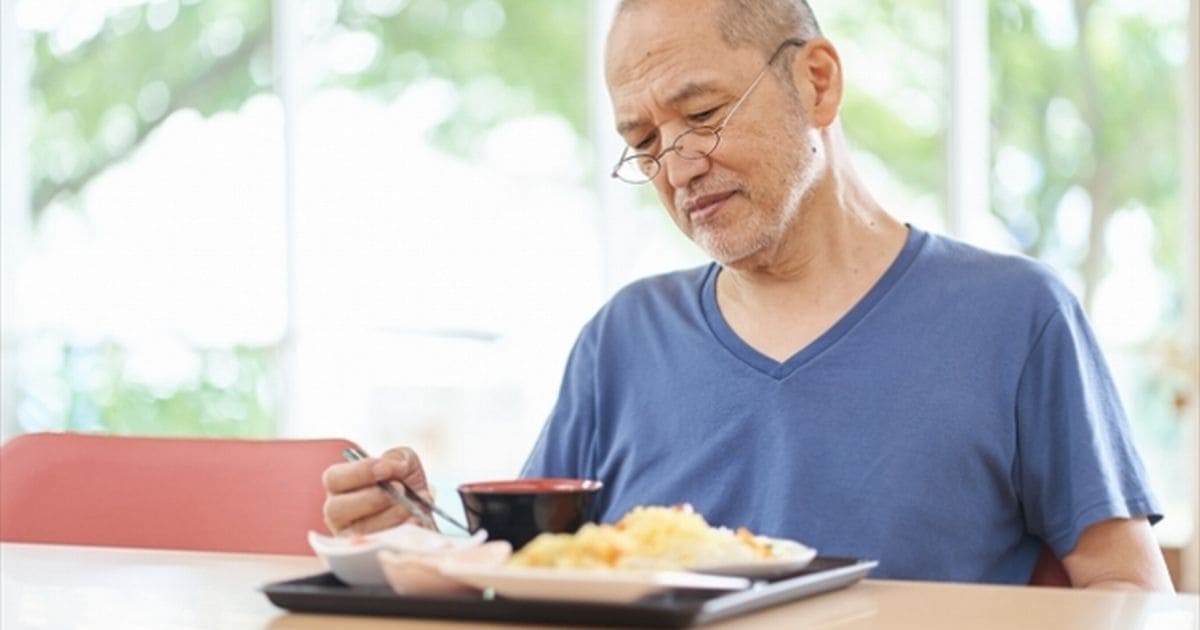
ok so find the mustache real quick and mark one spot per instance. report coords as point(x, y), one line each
point(700, 189)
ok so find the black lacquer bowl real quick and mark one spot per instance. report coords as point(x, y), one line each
point(518, 510)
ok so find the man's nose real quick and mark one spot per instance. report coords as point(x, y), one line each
point(680, 171)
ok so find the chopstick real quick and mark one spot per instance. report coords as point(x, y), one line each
point(412, 501)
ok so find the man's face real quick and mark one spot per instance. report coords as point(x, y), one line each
point(668, 69)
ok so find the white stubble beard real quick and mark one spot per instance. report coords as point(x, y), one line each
point(762, 231)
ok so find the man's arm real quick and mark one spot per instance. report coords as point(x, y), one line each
point(1118, 554)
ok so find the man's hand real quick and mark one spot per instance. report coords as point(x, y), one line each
point(1118, 554)
point(355, 504)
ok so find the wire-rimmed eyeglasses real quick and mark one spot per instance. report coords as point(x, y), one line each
point(694, 144)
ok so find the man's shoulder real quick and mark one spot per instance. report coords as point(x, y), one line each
point(672, 295)
point(672, 285)
point(671, 289)
point(957, 255)
point(951, 262)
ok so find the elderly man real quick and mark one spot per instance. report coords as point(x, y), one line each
point(835, 376)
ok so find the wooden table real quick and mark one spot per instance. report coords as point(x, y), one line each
point(51, 586)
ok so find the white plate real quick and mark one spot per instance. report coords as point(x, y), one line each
point(608, 586)
point(355, 559)
point(786, 556)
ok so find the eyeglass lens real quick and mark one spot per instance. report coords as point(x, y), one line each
point(692, 144)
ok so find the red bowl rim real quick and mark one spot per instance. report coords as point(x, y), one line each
point(531, 486)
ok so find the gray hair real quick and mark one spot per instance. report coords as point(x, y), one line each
point(763, 24)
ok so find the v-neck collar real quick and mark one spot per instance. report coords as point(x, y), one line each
point(779, 371)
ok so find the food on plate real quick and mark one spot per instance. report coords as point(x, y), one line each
point(418, 573)
point(648, 537)
point(354, 558)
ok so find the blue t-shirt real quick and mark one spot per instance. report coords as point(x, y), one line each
point(956, 417)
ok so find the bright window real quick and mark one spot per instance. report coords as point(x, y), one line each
point(387, 219)
point(150, 296)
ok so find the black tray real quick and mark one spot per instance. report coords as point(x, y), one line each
point(677, 608)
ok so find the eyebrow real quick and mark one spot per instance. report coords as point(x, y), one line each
point(689, 91)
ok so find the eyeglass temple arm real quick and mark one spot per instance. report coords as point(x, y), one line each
point(761, 73)
point(620, 161)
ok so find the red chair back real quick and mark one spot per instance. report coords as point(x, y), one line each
point(258, 496)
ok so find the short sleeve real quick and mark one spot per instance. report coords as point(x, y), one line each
point(1076, 463)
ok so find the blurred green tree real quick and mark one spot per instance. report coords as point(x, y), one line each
point(94, 103)
point(1093, 105)
point(910, 34)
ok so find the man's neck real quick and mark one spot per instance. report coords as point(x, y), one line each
point(839, 247)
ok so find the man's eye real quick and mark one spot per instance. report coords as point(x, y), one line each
point(644, 145)
point(699, 117)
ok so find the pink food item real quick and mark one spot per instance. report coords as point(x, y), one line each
point(415, 573)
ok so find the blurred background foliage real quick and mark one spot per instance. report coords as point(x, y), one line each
point(1094, 110)
point(95, 101)
point(897, 115)
point(507, 58)
point(213, 392)
point(1084, 113)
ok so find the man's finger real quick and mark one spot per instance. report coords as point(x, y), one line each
point(342, 510)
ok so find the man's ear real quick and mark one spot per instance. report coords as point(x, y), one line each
point(817, 72)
